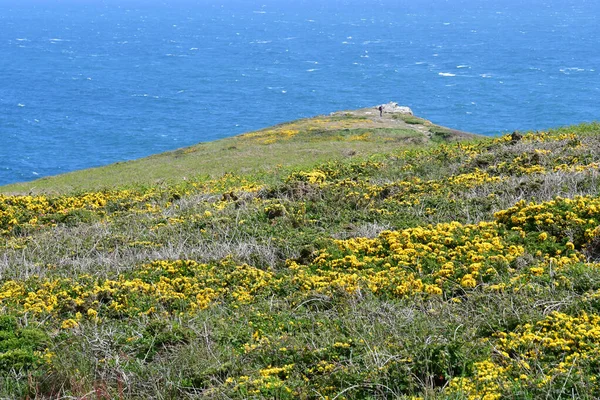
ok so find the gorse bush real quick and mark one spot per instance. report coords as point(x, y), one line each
point(466, 270)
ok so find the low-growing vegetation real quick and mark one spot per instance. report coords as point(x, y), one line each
point(411, 119)
point(463, 270)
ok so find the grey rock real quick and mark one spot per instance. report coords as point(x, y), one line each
point(394, 108)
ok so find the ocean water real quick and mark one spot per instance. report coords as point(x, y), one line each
point(89, 82)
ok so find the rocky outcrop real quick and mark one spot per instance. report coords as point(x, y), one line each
point(389, 108)
point(394, 108)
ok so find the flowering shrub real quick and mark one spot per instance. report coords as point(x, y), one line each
point(466, 270)
point(446, 259)
point(560, 351)
point(163, 287)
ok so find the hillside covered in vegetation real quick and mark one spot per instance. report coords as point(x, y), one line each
point(386, 262)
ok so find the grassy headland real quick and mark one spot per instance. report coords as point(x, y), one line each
point(351, 262)
point(301, 143)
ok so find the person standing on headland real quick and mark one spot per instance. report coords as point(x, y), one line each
point(380, 108)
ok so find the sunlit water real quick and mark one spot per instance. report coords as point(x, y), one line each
point(87, 83)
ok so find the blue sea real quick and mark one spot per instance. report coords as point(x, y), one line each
point(86, 83)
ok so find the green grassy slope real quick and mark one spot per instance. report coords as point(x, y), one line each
point(300, 143)
point(445, 270)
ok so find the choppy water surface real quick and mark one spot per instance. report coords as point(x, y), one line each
point(86, 83)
